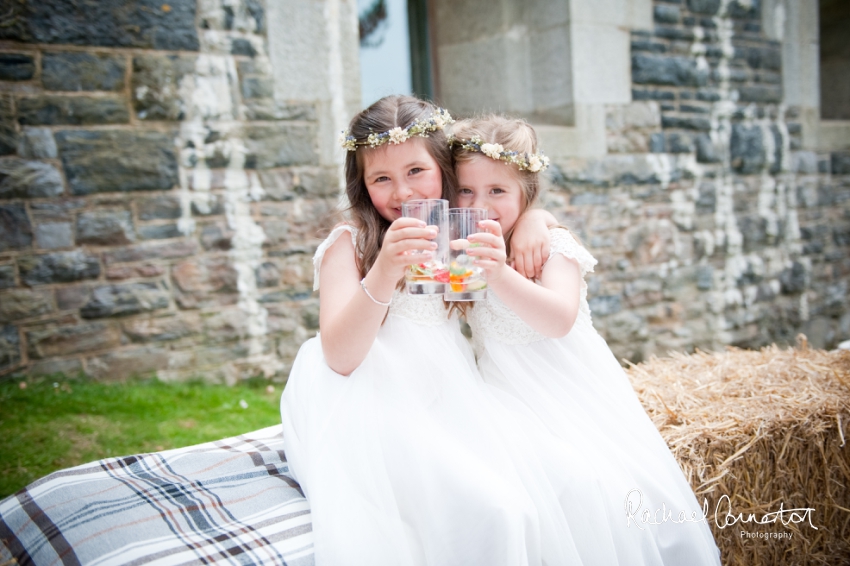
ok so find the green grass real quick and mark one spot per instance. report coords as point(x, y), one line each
point(56, 423)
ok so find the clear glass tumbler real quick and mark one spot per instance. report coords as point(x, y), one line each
point(466, 281)
point(431, 277)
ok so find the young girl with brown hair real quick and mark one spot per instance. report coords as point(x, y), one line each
point(404, 456)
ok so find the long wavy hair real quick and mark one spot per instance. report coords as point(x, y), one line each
point(385, 114)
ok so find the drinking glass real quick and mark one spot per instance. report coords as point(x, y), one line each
point(466, 281)
point(430, 277)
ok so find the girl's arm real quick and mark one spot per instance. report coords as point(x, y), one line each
point(348, 319)
point(550, 308)
point(530, 242)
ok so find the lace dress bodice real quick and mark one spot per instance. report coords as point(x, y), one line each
point(491, 318)
point(428, 310)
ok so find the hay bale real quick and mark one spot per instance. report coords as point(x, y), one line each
point(769, 430)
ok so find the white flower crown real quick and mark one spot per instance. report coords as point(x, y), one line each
point(438, 120)
point(535, 162)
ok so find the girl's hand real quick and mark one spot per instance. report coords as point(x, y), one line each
point(490, 255)
point(403, 239)
point(530, 242)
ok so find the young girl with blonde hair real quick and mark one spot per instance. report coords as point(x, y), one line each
point(536, 344)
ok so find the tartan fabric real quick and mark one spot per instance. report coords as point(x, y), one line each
point(225, 502)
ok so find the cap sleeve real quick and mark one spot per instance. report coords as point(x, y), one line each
point(323, 247)
point(564, 243)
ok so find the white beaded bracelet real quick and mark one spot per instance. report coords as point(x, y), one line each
point(368, 294)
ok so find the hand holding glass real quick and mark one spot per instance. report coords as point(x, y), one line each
point(429, 278)
point(466, 280)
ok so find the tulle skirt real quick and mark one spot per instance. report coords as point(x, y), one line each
point(413, 460)
point(575, 386)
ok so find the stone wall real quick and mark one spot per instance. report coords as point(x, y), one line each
point(712, 223)
point(167, 170)
point(159, 206)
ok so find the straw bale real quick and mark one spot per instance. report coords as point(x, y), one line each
point(769, 430)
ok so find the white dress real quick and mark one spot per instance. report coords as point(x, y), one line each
point(576, 387)
point(411, 459)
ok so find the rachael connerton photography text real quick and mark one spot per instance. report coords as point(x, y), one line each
point(724, 516)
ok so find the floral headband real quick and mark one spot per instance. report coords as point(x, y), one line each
point(438, 120)
point(535, 162)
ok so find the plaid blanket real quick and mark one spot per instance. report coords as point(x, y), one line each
point(224, 502)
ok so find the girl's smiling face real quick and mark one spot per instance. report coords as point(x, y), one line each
point(493, 185)
point(394, 174)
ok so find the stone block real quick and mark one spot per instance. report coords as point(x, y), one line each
point(705, 277)
point(106, 161)
point(72, 297)
point(841, 235)
point(55, 211)
point(159, 232)
point(686, 122)
point(144, 252)
point(215, 237)
point(653, 95)
point(694, 109)
point(310, 315)
point(257, 87)
point(54, 110)
point(197, 280)
point(127, 363)
point(760, 93)
point(746, 149)
point(605, 305)
point(54, 235)
point(65, 340)
point(794, 279)
point(105, 228)
point(753, 231)
point(143, 24)
point(159, 208)
point(125, 299)
point(134, 271)
point(65, 368)
point(156, 86)
point(743, 9)
point(706, 202)
point(657, 143)
point(18, 304)
point(840, 163)
point(267, 275)
point(706, 151)
point(650, 46)
point(15, 227)
point(161, 329)
point(706, 7)
point(16, 67)
point(241, 46)
point(10, 347)
point(20, 178)
point(666, 14)
point(8, 128)
point(708, 95)
point(286, 184)
point(280, 145)
point(7, 276)
point(82, 72)
point(675, 33)
point(679, 143)
point(37, 143)
point(58, 267)
point(671, 71)
point(270, 109)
